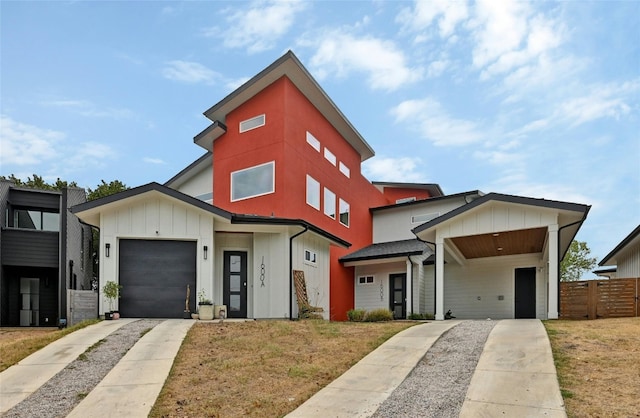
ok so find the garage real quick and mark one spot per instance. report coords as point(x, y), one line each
point(154, 275)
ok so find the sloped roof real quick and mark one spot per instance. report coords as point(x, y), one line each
point(632, 238)
point(190, 170)
point(287, 65)
point(388, 250)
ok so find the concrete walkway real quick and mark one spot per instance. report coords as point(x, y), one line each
point(22, 379)
point(359, 391)
point(515, 376)
point(131, 388)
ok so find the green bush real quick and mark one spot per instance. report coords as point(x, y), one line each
point(356, 315)
point(378, 315)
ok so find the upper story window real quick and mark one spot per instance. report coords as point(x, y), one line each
point(310, 256)
point(406, 200)
point(425, 217)
point(330, 156)
point(252, 182)
point(344, 213)
point(253, 123)
point(311, 140)
point(313, 192)
point(329, 203)
point(36, 219)
point(344, 170)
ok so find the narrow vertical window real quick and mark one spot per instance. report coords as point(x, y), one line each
point(330, 156)
point(344, 213)
point(345, 170)
point(311, 140)
point(329, 203)
point(313, 192)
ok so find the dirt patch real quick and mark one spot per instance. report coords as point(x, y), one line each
point(263, 368)
point(598, 364)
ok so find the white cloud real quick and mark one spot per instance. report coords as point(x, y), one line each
point(340, 53)
point(258, 26)
point(189, 72)
point(151, 160)
point(432, 122)
point(89, 109)
point(447, 14)
point(24, 144)
point(404, 169)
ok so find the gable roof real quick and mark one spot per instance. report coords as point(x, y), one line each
point(189, 171)
point(93, 208)
point(288, 66)
point(387, 250)
point(632, 238)
point(433, 188)
point(470, 196)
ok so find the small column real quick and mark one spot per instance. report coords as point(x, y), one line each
point(439, 279)
point(552, 296)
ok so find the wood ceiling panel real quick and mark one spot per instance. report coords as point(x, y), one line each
point(524, 241)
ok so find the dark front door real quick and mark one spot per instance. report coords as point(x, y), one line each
point(398, 295)
point(525, 302)
point(235, 283)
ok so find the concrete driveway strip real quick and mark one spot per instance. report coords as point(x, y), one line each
point(515, 375)
point(22, 379)
point(359, 391)
point(131, 388)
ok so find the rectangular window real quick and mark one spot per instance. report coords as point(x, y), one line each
point(426, 217)
point(365, 280)
point(35, 219)
point(253, 123)
point(310, 256)
point(254, 181)
point(344, 213)
point(313, 192)
point(330, 156)
point(406, 200)
point(345, 170)
point(311, 140)
point(329, 203)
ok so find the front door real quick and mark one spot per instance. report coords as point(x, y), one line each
point(525, 303)
point(398, 295)
point(235, 283)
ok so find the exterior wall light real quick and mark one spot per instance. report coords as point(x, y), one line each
point(205, 249)
point(107, 247)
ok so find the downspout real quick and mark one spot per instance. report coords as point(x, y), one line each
point(306, 228)
point(558, 255)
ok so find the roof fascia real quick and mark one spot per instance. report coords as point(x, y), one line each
point(626, 241)
point(288, 65)
point(420, 186)
point(428, 201)
point(189, 171)
point(214, 131)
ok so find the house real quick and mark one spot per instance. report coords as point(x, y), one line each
point(624, 259)
point(44, 253)
point(280, 188)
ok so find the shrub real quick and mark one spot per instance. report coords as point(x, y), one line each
point(378, 315)
point(356, 315)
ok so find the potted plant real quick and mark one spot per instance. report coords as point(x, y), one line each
point(205, 306)
point(111, 291)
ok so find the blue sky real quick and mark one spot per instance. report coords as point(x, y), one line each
point(536, 99)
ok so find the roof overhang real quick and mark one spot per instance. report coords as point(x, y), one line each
point(630, 240)
point(286, 66)
point(190, 171)
point(386, 252)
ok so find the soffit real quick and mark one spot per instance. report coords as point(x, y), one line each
point(525, 241)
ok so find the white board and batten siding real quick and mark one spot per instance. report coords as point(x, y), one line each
point(473, 291)
point(270, 283)
point(628, 264)
point(370, 296)
point(157, 218)
point(316, 273)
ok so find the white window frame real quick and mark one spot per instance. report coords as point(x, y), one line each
point(255, 167)
point(329, 203)
point(344, 169)
point(313, 141)
point(316, 192)
point(330, 156)
point(366, 280)
point(406, 200)
point(424, 217)
point(348, 212)
point(310, 257)
point(255, 118)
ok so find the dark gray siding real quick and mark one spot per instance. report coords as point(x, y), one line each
point(29, 248)
point(35, 199)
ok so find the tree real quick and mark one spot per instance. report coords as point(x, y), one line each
point(38, 182)
point(106, 189)
point(576, 261)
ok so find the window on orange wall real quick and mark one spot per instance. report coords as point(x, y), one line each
point(344, 169)
point(254, 181)
point(330, 156)
point(344, 213)
point(253, 123)
point(329, 203)
point(313, 192)
point(311, 140)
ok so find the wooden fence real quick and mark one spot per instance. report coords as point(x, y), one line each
point(592, 299)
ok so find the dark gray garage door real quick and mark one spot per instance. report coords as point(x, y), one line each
point(154, 275)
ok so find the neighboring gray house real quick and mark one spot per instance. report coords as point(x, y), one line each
point(44, 252)
point(625, 257)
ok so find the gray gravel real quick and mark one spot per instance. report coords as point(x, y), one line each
point(438, 385)
point(65, 390)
